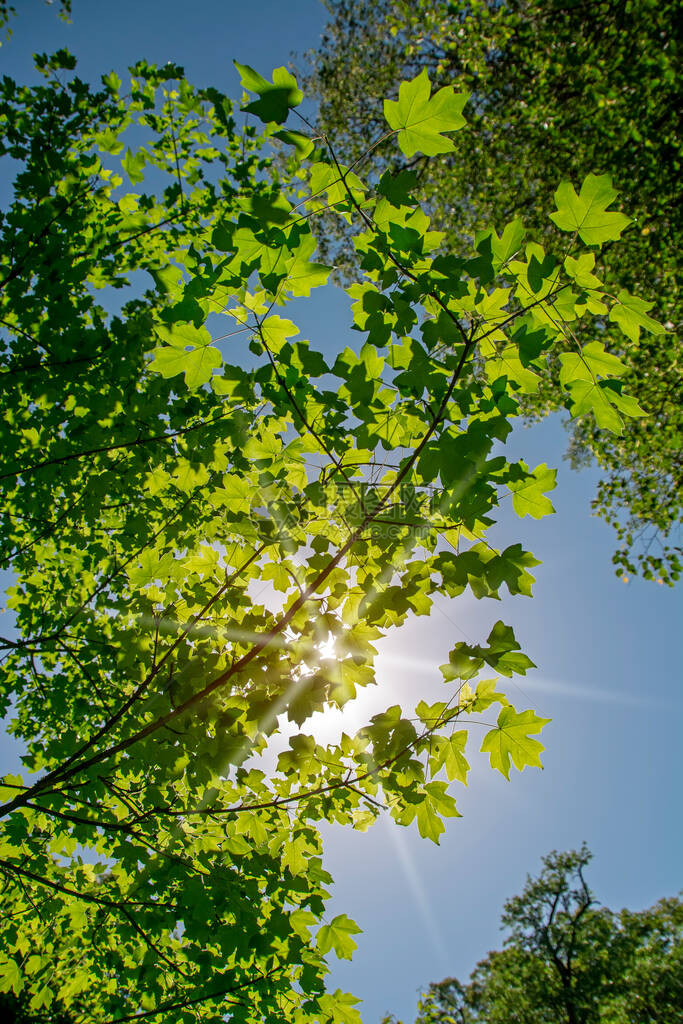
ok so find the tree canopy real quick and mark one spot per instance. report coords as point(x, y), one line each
point(212, 522)
point(557, 89)
point(567, 959)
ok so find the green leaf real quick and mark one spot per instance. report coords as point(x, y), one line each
point(10, 976)
point(189, 351)
point(339, 1008)
point(631, 315)
point(589, 364)
point(429, 824)
point(302, 143)
point(337, 936)
point(277, 97)
point(429, 714)
point(264, 448)
point(511, 740)
point(528, 495)
point(507, 364)
point(304, 275)
point(505, 247)
point(587, 396)
point(486, 695)
point(280, 578)
point(42, 998)
point(580, 373)
point(437, 803)
point(580, 270)
point(275, 332)
point(109, 142)
point(449, 753)
point(511, 567)
point(421, 121)
point(300, 922)
point(294, 855)
point(168, 279)
point(234, 494)
point(112, 80)
point(133, 165)
point(627, 404)
point(398, 187)
point(504, 653)
point(587, 212)
point(184, 335)
point(197, 365)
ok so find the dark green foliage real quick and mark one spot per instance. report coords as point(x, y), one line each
point(567, 960)
point(211, 525)
point(558, 89)
point(15, 1010)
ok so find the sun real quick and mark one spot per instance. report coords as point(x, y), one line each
point(327, 649)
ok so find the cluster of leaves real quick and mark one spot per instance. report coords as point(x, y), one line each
point(199, 557)
point(557, 89)
point(566, 959)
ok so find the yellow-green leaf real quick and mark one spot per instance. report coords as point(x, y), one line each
point(511, 739)
point(337, 936)
point(587, 212)
point(421, 120)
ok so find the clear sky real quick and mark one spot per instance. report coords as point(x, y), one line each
point(609, 653)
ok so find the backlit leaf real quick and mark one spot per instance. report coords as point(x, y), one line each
point(632, 315)
point(337, 936)
point(421, 121)
point(587, 212)
point(511, 739)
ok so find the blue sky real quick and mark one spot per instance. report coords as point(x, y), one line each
point(609, 653)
